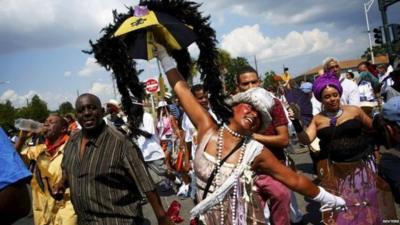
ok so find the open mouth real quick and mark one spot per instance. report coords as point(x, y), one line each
point(250, 120)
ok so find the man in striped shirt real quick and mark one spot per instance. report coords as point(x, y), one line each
point(105, 172)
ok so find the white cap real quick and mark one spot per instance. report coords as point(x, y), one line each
point(113, 102)
point(162, 104)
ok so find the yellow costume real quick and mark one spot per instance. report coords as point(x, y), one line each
point(47, 172)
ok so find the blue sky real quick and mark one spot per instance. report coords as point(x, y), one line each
point(41, 40)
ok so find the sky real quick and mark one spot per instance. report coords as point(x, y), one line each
point(42, 40)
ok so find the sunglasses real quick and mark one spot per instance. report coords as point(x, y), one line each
point(335, 66)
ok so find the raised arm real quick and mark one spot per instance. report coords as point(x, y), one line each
point(197, 114)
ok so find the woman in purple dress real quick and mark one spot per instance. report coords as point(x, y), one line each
point(346, 165)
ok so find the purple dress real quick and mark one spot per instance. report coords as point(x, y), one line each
point(350, 173)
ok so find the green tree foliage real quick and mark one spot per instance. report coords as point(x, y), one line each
point(377, 49)
point(269, 81)
point(65, 107)
point(7, 115)
point(36, 110)
point(229, 68)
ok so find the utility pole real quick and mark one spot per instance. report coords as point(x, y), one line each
point(367, 7)
point(255, 63)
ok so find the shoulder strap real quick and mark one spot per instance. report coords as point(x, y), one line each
point(214, 172)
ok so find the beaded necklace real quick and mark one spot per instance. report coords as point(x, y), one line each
point(232, 132)
point(333, 116)
point(218, 182)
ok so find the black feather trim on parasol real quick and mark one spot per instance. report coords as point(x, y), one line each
point(112, 53)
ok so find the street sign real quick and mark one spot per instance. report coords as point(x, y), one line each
point(151, 85)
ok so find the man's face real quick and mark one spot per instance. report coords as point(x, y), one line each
point(89, 112)
point(111, 109)
point(333, 65)
point(247, 81)
point(362, 68)
point(202, 98)
point(53, 127)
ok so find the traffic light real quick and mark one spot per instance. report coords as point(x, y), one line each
point(395, 32)
point(378, 35)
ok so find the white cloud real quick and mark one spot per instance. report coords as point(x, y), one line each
point(67, 73)
point(91, 67)
point(104, 91)
point(51, 23)
point(249, 40)
point(15, 99)
point(53, 100)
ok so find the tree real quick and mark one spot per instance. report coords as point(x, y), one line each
point(377, 50)
point(7, 115)
point(270, 82)
point(65, 107)
point(36, 109)
point(229, 68)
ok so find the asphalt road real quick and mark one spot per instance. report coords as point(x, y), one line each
point(309, 208)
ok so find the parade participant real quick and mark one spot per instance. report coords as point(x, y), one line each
point(151, 149)
point(368, 84)
point(104, 171)
point(346, 164)
point(226, 203)
point(190, 130)
point(47, 207)
point(394, 90)
point(14, 195)
point(351, 95)
point(389, 131)
point(275, 138)
point(114, 115)
point(73, 125)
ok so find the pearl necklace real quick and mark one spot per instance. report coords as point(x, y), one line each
point(232, 132)
point(334, 114)
point(218, 182)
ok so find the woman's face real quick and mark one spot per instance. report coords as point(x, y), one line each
point(246, 117)
point(331, 99)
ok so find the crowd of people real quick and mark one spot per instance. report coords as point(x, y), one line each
point(237, 169)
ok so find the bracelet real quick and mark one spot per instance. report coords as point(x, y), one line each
point(297, 126)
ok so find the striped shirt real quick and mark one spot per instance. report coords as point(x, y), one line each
point(105, 183)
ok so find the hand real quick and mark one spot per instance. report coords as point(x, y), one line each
point(167, 62)
point(23, 134)
point(164, 220)
point(58, 191)
point(329, 201)
point(293, 112)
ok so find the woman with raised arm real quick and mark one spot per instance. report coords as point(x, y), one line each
point(346, 165)
point(227, 156)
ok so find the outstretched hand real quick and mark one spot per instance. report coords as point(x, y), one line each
point(329, 201)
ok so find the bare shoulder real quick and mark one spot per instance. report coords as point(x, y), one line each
point(353, 110)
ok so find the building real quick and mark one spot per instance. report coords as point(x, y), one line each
point(345, 65)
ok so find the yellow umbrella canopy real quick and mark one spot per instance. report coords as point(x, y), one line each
point(140, 32)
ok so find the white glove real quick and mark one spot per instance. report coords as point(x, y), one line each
point(167, 62)
point(329, 201)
